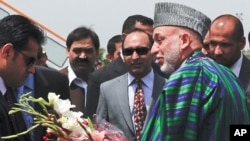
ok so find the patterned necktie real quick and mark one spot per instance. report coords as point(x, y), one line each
point(140, 110)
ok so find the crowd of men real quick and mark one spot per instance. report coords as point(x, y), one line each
point(178, 77)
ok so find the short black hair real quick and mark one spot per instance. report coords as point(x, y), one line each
point(18, 30)
point(83, 33)
point(129, 23)
point(111, 43)
point(150, 38)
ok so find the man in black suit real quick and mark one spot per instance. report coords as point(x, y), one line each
point(82, 51)
point(227, 39)
point(19, 43)
point(116, 67)
point(43, 81)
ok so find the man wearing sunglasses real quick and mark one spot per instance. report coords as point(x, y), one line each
point(117, 66)
point(39, 84)
point(19, 42)
point(116, 102)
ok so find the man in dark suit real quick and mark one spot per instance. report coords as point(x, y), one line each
point(43, 81)
point(19, 43)
point(82, 51)
point(116, 103)
point(116, 67)
point(245, 72)
point(226, 42)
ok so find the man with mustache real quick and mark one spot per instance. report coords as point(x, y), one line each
point(82, 50)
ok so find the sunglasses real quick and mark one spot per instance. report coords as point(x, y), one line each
point(29, 61)
point(139, 51)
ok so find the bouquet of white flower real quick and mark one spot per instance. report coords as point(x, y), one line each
point(64, 123)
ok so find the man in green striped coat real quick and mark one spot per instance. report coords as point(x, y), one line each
point(201, 98)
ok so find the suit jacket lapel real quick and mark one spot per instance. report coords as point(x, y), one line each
point(157, 89)
point(4, 103)
point(40, 89)
point(41, 84)
point(12, 127)
point(245, 72)
point(123, 100)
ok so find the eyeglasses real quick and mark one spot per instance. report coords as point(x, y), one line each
point(29, 61)
point(139, 51)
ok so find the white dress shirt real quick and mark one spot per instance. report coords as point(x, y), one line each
point(78, 81)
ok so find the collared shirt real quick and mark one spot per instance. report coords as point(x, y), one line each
point(27, 87)
point(78, 81)
point(3, 88)
point(237, 66)
point(147, 87)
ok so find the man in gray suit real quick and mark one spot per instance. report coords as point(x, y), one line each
point(116, 102)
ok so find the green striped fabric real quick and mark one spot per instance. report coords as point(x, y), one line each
point(199, 102)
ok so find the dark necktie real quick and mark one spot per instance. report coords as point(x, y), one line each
point(77, 97)
point(140, 110)
point(17, 120)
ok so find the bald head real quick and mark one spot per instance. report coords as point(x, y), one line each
point(230, 23)
point(226, 39)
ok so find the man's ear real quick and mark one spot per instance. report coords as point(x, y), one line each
point(67, 51)
point(242, 42)
point(123, 36)
point(109, 57)
point(185, 41)
point(7, 50)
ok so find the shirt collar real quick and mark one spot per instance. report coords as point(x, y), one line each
point(72, 75)
point(2, 86)
point(147, 79)
point(74, 79)
point(237, 66)
point(29, 82)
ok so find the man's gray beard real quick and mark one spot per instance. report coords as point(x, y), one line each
point(170, 63)
point(167, 68)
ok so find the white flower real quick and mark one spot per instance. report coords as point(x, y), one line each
point(53, 98)
point(59, 105)
point(70, 120)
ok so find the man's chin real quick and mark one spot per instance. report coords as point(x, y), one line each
point(136, 71)
point(221, 62)
point(167, 69)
